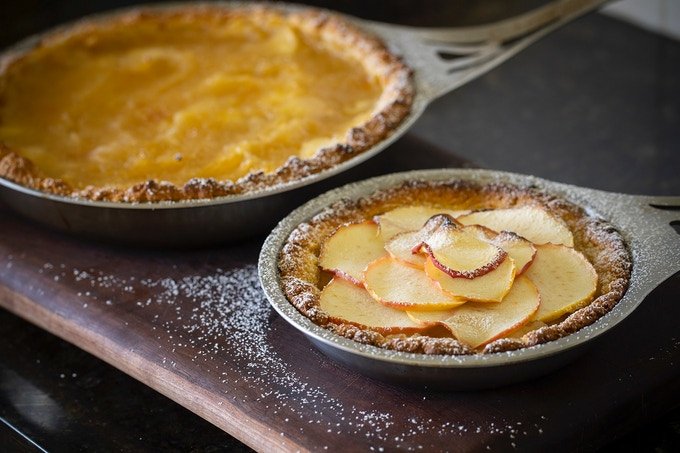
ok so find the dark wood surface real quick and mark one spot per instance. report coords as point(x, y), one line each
point(195, 326)
point(596, 104)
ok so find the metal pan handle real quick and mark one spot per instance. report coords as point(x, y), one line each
point(447, 58)
point(656, 227)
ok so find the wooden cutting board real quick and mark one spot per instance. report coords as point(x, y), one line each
point(195, 326)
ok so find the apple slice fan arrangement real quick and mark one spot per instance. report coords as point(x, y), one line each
point(476, 276)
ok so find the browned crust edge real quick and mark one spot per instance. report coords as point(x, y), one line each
point(599, 241)
point(392, 108)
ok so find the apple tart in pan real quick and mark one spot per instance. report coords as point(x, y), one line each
point(454, 268)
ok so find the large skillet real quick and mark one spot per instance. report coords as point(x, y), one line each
point(646, 224)
point(442, 59)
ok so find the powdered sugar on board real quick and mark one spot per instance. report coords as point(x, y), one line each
point(207, 317)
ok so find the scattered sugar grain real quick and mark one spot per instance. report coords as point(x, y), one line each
point(226, 311)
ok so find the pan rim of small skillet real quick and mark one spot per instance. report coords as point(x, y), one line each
point(643, 229)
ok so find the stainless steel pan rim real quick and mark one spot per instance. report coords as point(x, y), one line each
point(619, 209)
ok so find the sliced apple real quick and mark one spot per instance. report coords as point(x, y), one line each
point(520, 250)
point(490, 287)
point(482, 232)
point(401, 285)
point(407, 246)
point(350, 249)
point(409, 218)
point(460, 252)
point(401, 247)
point(429, 318)
point(564, 277)
point(531, 222)
point(479, 324)
point(346, 302)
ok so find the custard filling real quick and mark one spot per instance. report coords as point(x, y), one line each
point(171, 98)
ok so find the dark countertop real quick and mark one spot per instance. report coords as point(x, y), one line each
point(595, 104)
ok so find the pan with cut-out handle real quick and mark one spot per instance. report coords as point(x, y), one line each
point(646, 224)
point(442, 60)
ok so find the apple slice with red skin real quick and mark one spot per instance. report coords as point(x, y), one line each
point(520, 250)
point(406, 246)
point(479, 324)
point(490, 287)
point(462, 252)
point(350, 249)
point(564, 277)
point(409, 218)
point(405, 286)
point(345, 302)
point(531, 222)
point(482, 232)
point(403, 247)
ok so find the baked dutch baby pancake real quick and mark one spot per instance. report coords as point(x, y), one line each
point(194, 102)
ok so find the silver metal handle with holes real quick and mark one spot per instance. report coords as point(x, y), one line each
point(666, 212)
point(652, 237)
point(445, 59)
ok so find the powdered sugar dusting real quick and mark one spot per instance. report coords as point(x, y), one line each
point(225, 312)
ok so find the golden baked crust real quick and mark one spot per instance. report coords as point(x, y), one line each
point(604, 247)
point(391, 108)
